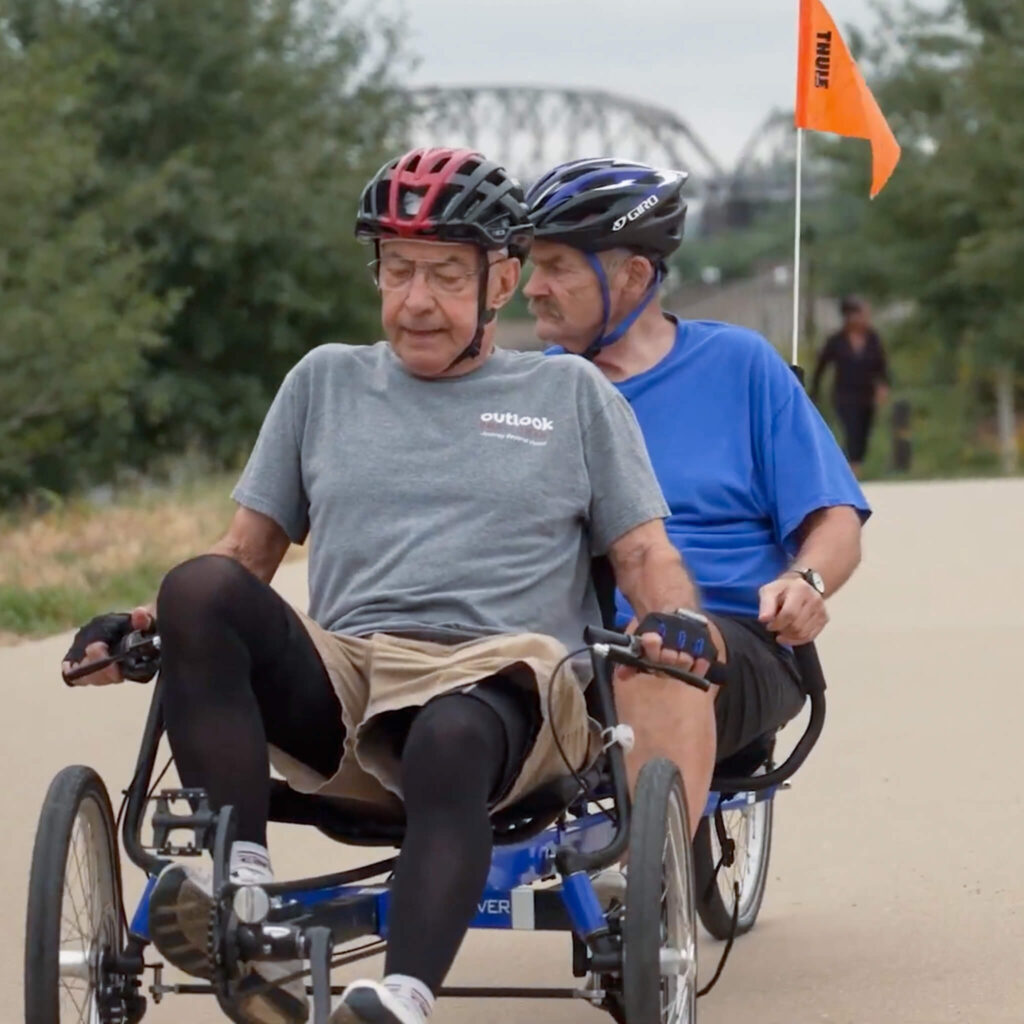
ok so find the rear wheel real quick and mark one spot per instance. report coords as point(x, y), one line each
point(750, 828)
point(74, 929)
point(659, 948)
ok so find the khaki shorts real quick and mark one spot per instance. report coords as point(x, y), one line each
point(378, 674)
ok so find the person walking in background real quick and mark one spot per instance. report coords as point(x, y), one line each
point(860, 378)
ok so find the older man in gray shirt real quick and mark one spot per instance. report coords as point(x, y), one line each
point(453, 495)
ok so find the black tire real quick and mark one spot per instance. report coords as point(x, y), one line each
point(74, 905)
point(751, 830)
point(659, 903)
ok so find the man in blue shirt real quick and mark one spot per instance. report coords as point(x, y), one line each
point(764, 508)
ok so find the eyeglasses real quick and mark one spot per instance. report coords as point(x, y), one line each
point(443, 279)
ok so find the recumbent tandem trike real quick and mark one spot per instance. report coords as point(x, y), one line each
point(636, 956)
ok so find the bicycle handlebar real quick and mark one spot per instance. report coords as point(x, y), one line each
point(138, 654)
point(627, 650)
point(813, 679)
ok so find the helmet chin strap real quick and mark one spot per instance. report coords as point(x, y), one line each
point(604, 339)
point(483, 317)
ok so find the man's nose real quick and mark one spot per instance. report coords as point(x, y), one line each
point(419, 297)
point(535, 286)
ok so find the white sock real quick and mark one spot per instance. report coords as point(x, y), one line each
point(250, 864)
point(412, 992)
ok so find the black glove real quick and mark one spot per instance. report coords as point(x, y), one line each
point(109, 629)
point(686, 632)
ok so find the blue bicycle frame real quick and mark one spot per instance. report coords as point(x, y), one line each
point(509, 900)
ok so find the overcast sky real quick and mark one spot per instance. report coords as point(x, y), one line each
point(721, 65)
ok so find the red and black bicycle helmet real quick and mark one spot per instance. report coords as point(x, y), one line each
point(448, 195)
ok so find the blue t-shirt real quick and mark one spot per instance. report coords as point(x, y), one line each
point(742, 456)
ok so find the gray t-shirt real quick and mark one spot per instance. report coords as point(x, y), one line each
point(466, 505)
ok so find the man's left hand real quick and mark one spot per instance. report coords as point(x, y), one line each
point(792, 609)
point(656, 652)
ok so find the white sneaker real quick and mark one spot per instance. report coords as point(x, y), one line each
point(369, 1002)
point(179, 919)
point(610, 887)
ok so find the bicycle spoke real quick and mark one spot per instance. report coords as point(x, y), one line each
point(77, 1005)
point(83, 887)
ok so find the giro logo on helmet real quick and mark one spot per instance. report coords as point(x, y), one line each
point(648, 204)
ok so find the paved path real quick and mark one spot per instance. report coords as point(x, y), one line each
point(895, 891)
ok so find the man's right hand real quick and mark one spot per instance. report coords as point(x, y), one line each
point(95, 640)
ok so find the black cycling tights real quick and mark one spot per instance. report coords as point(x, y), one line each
point(453, 761)
point(239, 671)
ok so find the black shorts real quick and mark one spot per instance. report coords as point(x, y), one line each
point(763, 690)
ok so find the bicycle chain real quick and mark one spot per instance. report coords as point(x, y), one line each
point(211, 939)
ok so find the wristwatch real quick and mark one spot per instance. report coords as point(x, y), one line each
point(811, 577)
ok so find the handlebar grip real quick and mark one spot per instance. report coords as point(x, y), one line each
point(717, 674)
point(681, 674)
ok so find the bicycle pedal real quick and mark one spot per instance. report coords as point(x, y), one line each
point(201, 819)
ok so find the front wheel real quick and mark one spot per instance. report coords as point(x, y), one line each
point(659, 948)
point(74, 928)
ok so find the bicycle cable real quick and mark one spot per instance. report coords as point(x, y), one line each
point(585, 788)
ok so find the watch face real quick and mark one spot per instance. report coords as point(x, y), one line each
point(815, 580)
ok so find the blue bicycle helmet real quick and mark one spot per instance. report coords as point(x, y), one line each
point(603, 203)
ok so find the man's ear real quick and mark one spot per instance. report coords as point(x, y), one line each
point(503, 282)
point(640, 273)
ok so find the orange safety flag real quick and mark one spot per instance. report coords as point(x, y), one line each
point(831, 95)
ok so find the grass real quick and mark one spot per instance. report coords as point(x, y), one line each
point(81, 558)
point(33, 612)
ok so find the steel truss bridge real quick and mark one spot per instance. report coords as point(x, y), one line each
point(529, 128)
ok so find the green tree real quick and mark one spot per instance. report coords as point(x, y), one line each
point(197, 159)
point(265, 118)
point(75, 321)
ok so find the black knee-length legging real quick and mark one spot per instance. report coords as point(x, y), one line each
point(239, 671)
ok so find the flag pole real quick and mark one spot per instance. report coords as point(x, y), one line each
point(796, 244)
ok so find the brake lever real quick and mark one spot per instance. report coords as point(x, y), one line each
point(623, 657)
point(140, 660)
point(87, 670)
